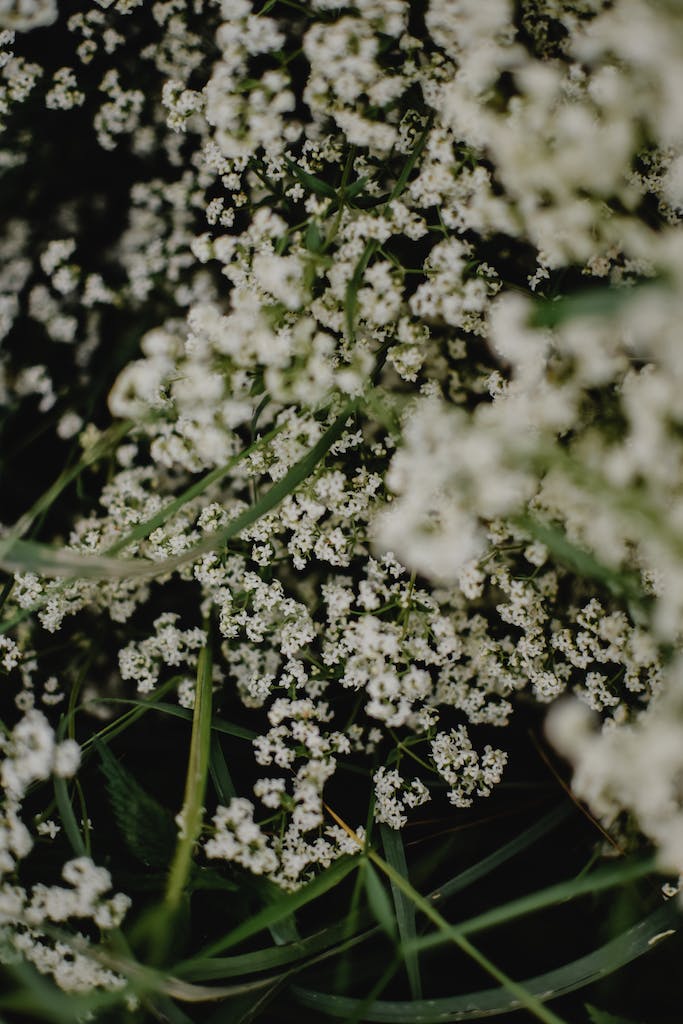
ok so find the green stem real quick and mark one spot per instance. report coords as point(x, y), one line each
point(526, 998)
point(195, 784)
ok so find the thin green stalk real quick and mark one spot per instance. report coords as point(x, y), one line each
point(527, 999)
point(195, 784)
point(452, 933)
point(48, 561)
point(108, 440)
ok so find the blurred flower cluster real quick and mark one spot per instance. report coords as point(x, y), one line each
point(420, 267)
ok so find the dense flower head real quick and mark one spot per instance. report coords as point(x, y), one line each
point(383, 304)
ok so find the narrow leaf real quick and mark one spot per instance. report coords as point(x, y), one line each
point(494, 860)
point(316, 185)
point(602, 1017)
point(220, 773)
point(405, 910)
point(195, 783)
point(68, 818)
point(289, 903)
point(379, 902)
point(597, 881)
point(27, 556)
point(491, 1002)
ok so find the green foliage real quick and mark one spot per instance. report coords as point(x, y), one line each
point(379, 901)
point(602, 1017)
point(147, 828)
point(394, 852)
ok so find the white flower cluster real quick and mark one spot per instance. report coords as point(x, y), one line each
point(633, 768)
point(465, 246)
point(30, 755)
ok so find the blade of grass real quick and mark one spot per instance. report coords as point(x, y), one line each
point(453, 934)
point(68, 818)
point(195, 785)
point(581, 561)
point(143, 530)
point(108, 440)
point(65, 807)
point(602, 302)
point(289, 903)
point(405, 910)
point(361, 1011)
point(215, 968)
point(378, 901)
point(217, 724)
point(597, 881)
point(488, 864)
point(113, 729)
point(27, 556)
point(205, 968)
point(577, 974)
point(220, 773)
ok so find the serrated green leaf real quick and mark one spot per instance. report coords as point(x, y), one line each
point(147, 828)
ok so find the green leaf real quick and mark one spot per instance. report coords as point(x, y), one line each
point(167, 1010)
point(602, 1017)
point(147, 828)
point(313, 239)
point(405, 910)
point(490, 1002)
point(220, 773)
point(109, 439)
point(217, 724)
point(214, 968)
point(46, 560)
point(68, 818)
point(195, 781)
point(594, 302)
point(285, 906)
point(124, 721)
point(316, 185)
point(210, 880)
point(351, 303)
point(355, 188)
point(453, 934)
point(581, 561)
point(488, 864)
point(244, 1009)
point(204, 968)
point(597, 881)
point(379, 901)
